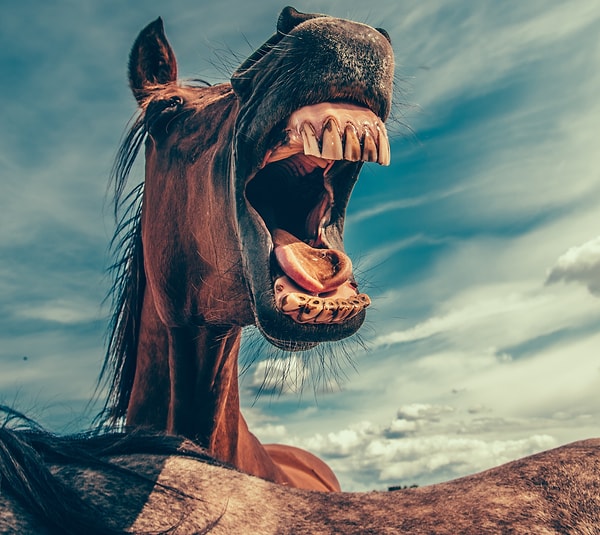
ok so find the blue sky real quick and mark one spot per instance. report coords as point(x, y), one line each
point(479, 245)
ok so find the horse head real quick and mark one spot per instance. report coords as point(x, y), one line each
point(248, 183)
point(241, 223)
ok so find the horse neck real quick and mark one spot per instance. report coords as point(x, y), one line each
point(186, 383)
point(204, 398)
point(186, 380)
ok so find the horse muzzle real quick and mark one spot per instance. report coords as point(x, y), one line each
point(313, 101)
point(312, 276)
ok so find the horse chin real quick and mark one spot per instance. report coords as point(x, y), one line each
point(288, 345)
point(288, 335)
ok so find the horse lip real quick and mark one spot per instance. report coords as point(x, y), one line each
point(325, 280)
point(300, 155)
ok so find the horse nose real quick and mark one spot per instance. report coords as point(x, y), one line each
point(344, 54)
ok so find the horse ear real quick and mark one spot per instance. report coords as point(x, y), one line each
point(151, 61)
point(288, 19)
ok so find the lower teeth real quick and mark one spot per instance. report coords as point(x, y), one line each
point(309, 309)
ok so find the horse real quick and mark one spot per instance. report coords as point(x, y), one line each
point(239, 221)
point(234, 153)
point(148, 483)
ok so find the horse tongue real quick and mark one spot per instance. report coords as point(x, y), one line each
point(315, 270)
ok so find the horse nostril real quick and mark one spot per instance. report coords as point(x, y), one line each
point(385, 34)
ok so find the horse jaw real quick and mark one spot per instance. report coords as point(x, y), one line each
point(318, 286)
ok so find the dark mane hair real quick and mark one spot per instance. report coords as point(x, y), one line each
point(127, 290)
point(27, 450)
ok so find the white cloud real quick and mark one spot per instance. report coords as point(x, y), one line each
point(270, 432)
point(406, 460)
point(422, 411)
point(497, 315)
point(414, 419)
point(342, 443)
point(293, 374)
point(368, 452)
point(402, 427)
point(579, 264)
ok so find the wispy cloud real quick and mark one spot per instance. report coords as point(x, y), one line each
point(282, 376)
point(476, 48)
point(399, 204)
point(60, 311)
point(499, 315)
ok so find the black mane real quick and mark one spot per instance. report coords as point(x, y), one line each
point(129, 281)
point(27, 451)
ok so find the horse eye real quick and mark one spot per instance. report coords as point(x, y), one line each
point(160, 113)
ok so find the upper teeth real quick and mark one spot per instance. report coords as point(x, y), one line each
point(335, 131)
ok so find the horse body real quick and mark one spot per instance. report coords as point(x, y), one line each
point(241, 223)
point(151, 484)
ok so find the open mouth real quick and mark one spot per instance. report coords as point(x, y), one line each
point(301, 194)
